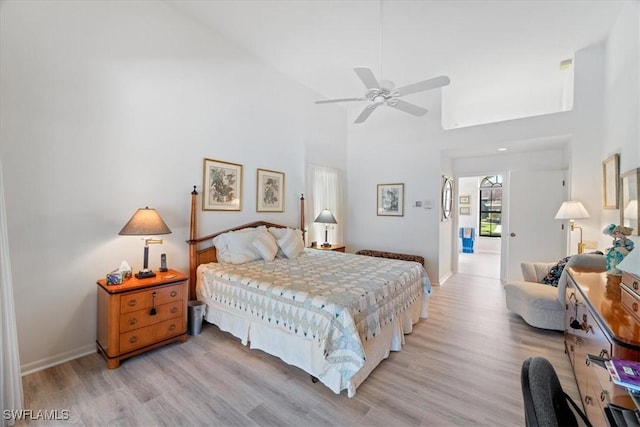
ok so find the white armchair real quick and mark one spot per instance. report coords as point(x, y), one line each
point(541, 305)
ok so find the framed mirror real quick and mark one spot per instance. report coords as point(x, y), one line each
point(447, 197)
point(629, 209)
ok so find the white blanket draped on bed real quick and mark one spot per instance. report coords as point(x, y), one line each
point(334, 299)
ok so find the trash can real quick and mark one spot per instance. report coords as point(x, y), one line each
point(468, 235)
point(195, 313)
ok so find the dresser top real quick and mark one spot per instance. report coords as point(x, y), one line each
point(604, 295)
point(162, 278)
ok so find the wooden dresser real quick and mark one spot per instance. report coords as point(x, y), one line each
point(602, 319)
point(141, 314)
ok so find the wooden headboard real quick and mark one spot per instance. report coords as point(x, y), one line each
point(201, 249)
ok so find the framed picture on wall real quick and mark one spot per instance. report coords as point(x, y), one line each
point(629, 193)
point(610, 181)
point(465, 200)
point(390, 200)
point(465, 210)
point(270, 191)
point(222, 186)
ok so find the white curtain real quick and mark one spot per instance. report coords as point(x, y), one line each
point(10, 379)
point(324, 191)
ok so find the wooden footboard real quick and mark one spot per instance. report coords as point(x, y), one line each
point(201, 249)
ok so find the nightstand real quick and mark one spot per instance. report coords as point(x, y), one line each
point(141, 314)
point(334, 248)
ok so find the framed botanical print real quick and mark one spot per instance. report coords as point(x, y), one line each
point(390, 200)
point(610, 180)
point(222, 186)
point(270, 191)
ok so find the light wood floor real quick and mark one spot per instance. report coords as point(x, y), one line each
point(459, 367)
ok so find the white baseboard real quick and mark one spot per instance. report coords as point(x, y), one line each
point(48, 362)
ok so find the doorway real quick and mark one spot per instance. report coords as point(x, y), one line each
point(479, 219)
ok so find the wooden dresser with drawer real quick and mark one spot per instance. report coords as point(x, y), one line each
point(140, 315)
point(602, 319)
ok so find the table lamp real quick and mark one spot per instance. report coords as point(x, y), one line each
point(573, 210)
point(326, 218)
point(145, 222)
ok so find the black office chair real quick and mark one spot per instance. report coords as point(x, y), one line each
point(545, 403)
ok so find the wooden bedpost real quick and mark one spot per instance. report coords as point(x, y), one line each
point(193, 244)
point(304, 232)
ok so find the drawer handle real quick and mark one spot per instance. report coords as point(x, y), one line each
point(634, 306)
point(587, 400)
point(173, 293)
point(174, 310)
point(133, 321)
point(602, 396)
point(635, 285)
point(132, 303)
point(172, 326)
point(133, 339)
point(605, 354)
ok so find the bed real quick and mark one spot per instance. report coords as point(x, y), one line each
point(334, 315)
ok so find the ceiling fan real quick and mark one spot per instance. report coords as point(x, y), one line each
point(385, 92)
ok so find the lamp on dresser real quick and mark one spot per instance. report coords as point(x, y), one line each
point(326, 218)
point(145, 222)
point(573, 210)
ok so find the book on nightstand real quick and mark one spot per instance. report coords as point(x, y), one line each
point(625, 373)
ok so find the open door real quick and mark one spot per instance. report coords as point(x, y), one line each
point(531, 232)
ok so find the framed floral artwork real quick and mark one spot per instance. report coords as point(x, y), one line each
point(222, 186)
point(390, 200)
point(270, 191)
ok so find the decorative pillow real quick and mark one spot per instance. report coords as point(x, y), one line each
point(266, 245)
point(278, 233)
point(291, 243)
point(555, 272)
point(238, 247)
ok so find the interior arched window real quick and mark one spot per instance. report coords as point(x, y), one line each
point(491, 206)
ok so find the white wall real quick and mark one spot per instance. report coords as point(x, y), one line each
point(111, 106)
point(622, 100)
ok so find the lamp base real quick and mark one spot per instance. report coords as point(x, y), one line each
point(326, 245)
point(145, 274)
point(581, 247)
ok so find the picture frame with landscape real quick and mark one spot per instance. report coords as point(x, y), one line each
point(390, 200)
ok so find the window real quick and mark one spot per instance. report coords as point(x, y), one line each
point(324, 191)
point(491, 206)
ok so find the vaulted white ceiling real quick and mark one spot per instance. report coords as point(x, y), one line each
point(475, 42)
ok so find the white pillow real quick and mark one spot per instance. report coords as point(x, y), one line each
point(266, 245)
point(277, 232)
point(291, 243)
point(238, 247)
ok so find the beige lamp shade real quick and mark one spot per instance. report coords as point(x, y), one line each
point(572, 209)
point(145, 222)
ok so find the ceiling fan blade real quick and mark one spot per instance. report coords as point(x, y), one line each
point(367, 112)
point(407, 107)
point(433, 83)
point(329, 101)
point(367, 77)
